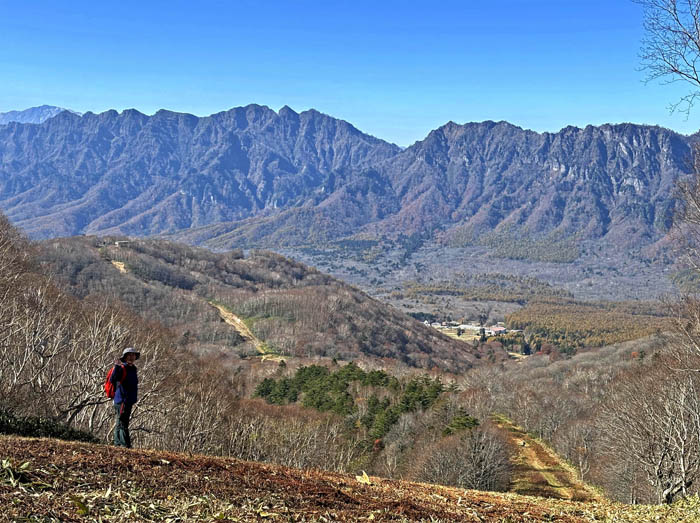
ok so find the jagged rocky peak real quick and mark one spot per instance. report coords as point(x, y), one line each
point(133, 113)
point(287, 112)
point(165, 114)
point(260, 176)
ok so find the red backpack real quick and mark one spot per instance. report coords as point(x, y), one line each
point(110, 388)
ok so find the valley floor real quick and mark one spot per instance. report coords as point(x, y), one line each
point(52, 480)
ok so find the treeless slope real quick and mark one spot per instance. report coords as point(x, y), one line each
point(47, 479)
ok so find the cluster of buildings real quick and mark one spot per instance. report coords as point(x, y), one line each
point(493, 330)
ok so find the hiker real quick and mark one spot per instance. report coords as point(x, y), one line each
point(125, 381)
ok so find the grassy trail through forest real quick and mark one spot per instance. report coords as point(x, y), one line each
point(539, 471)
point(121, 266)
point(230, 319)
point(245, 332)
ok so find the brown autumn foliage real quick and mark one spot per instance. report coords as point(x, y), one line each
point(71, 481)
point(576, 325)
point(294, 310)
point(58, 347)
point(474, 459)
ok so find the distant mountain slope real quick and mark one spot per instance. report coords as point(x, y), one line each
point(614, 182)
point(610, 181)
point(254, 177)
point(144, 175)
point(32, 115)
point(292, 309)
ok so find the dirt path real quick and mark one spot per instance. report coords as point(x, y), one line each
point(539, 471)
point(245, 332)
point(120, 266)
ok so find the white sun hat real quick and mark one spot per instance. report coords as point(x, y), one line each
point(130, 350)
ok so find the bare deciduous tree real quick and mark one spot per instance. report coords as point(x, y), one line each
point(576, 440)
point(671, 47)
point(475, 459)
point(653, 419)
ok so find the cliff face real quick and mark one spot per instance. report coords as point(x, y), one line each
point(251, 176)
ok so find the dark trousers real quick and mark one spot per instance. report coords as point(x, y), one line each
point(121, 430)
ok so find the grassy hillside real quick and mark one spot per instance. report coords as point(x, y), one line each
point(52, 480)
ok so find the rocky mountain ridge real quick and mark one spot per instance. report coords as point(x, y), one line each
point(610, 181)
point(137, 174)
point(251, 176)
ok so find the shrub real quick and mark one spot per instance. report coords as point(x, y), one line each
point(475, 459)
point(32, 426)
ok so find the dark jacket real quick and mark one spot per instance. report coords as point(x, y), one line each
point(127, 392)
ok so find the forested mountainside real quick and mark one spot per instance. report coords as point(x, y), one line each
point(190, 397)
point(193, 394)
point(622, 415)
point(286, 308)
point(255, 177)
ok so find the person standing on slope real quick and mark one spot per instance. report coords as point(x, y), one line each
point(126, 384)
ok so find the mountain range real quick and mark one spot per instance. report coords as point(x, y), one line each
point(32, 115)
point(251, 176)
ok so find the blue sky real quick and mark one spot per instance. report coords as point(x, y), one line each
point(393, 69)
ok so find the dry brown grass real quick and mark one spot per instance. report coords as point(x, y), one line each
point(49, 480)
point(539, 471)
